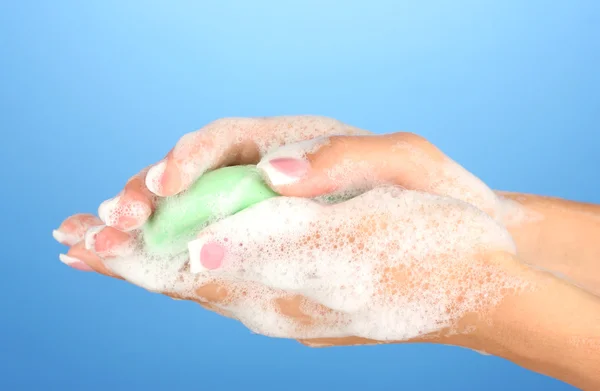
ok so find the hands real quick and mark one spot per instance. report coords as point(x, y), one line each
point(420, 264)
point(328, 165)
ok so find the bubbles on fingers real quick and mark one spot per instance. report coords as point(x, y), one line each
point(73, 229)
point(397, 263)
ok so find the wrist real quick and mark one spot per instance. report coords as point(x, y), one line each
point(475, 330)
point(551, 329)
point(555, 234)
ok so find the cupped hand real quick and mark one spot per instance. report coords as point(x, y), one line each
point(389, 265)
point(225, 142)
point(300, 155)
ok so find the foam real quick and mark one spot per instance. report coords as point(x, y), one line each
point(390, 265)
point(446, 177)
point(111, 211)
point(514, 213)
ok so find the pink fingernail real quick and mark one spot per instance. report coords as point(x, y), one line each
point(75, 263)
point(124, 214)
point(290, 166)
point(283, 171)
point(107, 209)
point(154, 178)
point(64, 238)
point(211, 255)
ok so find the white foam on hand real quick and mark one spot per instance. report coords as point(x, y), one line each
point(390, 265)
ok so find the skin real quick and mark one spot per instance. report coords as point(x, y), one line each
point(562, 341)
point(561, 237)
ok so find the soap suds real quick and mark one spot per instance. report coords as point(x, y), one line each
point(448, 178)
point(514, 213)
point(391, 265)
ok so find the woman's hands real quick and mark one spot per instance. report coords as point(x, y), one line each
point(326, 165)
point(420, 263)
point(314, 167)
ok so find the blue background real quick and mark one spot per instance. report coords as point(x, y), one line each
point(92, 91)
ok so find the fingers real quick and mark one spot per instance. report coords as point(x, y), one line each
point(329, 164)
point(89, 241)
point(233, 141)
point(224, 142)
point(295, 307)
point(108, 242)
point(72, 230)
point(224, 245)
point(251, 257)
point(340, 164)
point(92, 261)
point(70, 233)
point(131, 208)
point(75, 263)
point(290, 244)
point(267, 311)
point(263, 309)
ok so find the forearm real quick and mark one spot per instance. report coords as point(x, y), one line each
point(553, 329)
point(557, 235)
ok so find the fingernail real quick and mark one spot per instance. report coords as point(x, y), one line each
point(74, 263)
point(284, 171)
point(64, 238)
point(106, 209)
point(125, 215)
point(154, 178)
point(205, 256)
point(288, 164)
point(90, 237)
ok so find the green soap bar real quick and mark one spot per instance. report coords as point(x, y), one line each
point(216, 194)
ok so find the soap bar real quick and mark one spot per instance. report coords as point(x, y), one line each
point(215, 195)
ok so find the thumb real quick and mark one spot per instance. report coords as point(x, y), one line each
point(333, 164)
point(339, 164)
